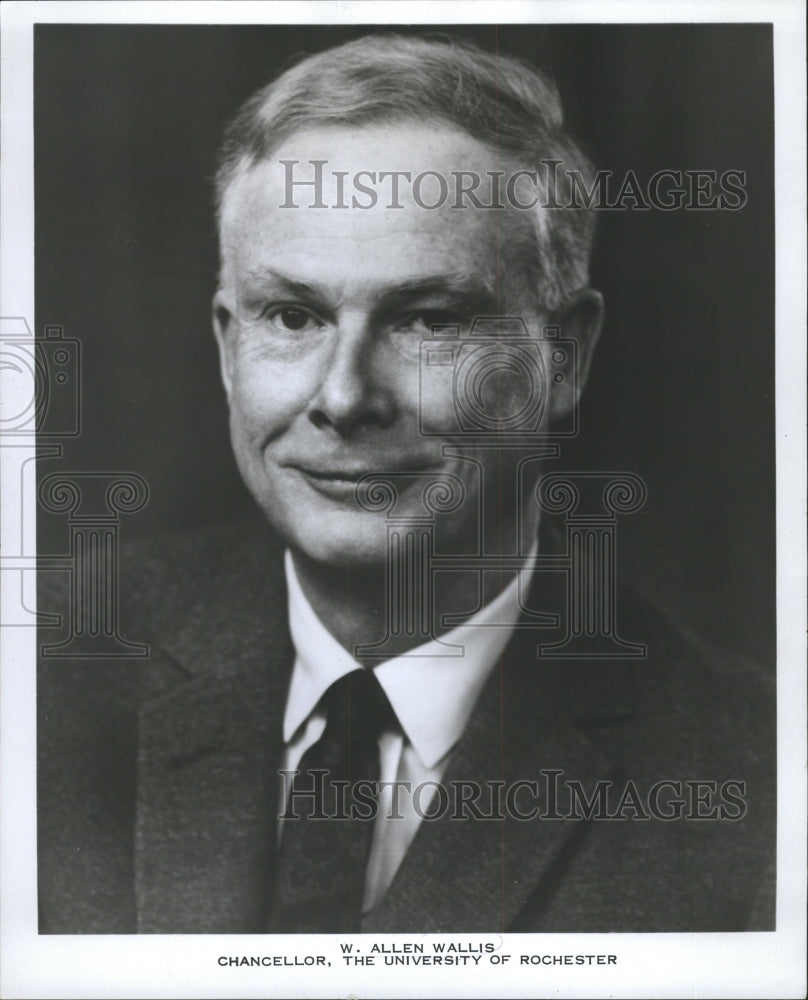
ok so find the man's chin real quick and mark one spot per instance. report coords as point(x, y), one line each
point(358, 560)
point(353, 541)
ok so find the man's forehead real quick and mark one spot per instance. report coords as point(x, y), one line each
point(365, 174)
point(308, 201)
point(396, 147)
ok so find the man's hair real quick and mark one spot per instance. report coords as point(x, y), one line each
point(499, 100)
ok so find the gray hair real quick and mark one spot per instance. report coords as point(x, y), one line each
point(499, 100)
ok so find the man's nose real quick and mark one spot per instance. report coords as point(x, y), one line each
point(356, 390)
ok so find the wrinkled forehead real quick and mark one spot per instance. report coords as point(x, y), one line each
point(362, 193)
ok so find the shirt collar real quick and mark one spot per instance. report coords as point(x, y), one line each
point(432, 688)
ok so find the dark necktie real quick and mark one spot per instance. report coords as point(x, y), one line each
point(323, 852)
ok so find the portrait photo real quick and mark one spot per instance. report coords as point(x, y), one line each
point(406, 494)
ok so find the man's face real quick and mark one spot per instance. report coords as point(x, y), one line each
point(320, 318)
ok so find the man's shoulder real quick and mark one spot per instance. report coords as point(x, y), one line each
point(684, 707)
point(157, 573)
point(668, 671)
point(705, 727)
point(697, 702)
point(680, 661)
point(189, 560)
point(175, 596)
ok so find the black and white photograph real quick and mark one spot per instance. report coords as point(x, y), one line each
point(403, 474)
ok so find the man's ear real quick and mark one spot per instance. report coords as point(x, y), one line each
point(580, 319)
point(223, 331)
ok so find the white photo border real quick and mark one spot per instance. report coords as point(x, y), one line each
point(662, 965)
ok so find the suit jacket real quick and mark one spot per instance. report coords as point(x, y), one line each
point(157, 778)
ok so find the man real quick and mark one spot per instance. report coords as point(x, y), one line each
point(335, 731)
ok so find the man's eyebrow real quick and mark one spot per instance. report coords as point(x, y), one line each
point(457, 284)
point(265, 275)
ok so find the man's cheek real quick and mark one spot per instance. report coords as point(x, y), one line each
point(264, 402)
point(435, 405)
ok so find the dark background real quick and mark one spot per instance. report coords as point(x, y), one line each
point(128, 119)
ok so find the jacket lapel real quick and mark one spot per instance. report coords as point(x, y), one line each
point(209, 744)
point(475, 874)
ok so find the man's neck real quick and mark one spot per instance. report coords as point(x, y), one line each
point(354, 605)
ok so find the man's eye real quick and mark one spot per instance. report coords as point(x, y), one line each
point(292, 318)
point(427, 319)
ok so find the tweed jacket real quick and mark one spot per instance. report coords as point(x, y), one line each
point(157, 777)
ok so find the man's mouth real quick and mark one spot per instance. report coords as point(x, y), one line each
point(335, 475)
point(341, 482)
point(354, 473)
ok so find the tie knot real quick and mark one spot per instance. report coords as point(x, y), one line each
point(357, 708)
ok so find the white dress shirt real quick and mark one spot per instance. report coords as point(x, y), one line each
point(431, 693)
